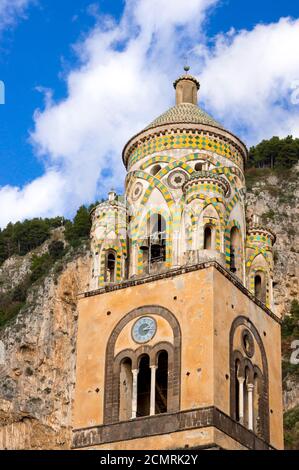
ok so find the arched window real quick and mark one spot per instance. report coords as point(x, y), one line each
point(161, 383)
point(139, 373)
point(246, 396)
point(155, 169)
point(125, 390)
point(235, 251)
point(258, 286)
point(237, 390)
point(256, 405)
point(110, 266)
point(198, 166)
point(154, 246)
point(208, 238)
point(144, 387)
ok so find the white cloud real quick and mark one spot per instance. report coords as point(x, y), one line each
point(11, 10)
point(33, 200)
point(249, 79)
point(124, 81)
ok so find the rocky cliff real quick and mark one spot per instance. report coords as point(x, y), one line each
point(38, 372)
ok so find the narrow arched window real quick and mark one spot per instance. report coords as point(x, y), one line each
point(246, 402)
point(256, 406)
point(237, 390)
point(125, 390)
point(161, 383)
point(155, 169)
point(157, 239)
point(208, 238)
point(110, 266)
point(198, 166)
point(235, 251)
point(258, 286)
point(144, 387)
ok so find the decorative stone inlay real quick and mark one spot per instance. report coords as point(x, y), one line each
point(137, 191)
point(176, 179)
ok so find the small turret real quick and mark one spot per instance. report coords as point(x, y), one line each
point(186, 88)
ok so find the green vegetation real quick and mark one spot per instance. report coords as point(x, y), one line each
point(270, 215)
point(79, 229)
point(291, 429)
point(56, 249)
point(290, 324)
point(22, 237)
point(13, 301)
point(276, 153)
point(41, 265)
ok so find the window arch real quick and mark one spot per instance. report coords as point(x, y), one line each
point(125, 389)
point(144, 381)
point(161, 383)
point(208, 237)
point(236, 251)
point(157, 360)
point(260, 286)
point(154, 245)
point(110, 272)
point(143, 386)
point(198, 166)
point(155, 169)
point(249, 396)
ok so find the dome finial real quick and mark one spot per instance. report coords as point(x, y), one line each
point(187, 68)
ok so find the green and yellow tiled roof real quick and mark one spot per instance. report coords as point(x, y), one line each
point(184, 113)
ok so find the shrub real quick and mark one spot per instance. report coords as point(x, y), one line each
point(56, 249)
point(40, 266)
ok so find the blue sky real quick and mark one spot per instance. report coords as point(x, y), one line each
point(37, 54)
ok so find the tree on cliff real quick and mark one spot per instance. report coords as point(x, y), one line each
point(275, 153)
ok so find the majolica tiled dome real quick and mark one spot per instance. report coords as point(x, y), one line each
point(184, 113)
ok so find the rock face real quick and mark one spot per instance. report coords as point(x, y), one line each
point(276, 201)
point(38, 373)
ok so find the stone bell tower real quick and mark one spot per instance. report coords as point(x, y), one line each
point(177, 343)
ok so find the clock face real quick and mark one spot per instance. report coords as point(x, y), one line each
point(144, 329)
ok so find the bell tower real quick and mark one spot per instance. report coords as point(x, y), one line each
point(177, 343)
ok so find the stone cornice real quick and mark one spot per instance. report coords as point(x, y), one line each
point(177, 272)
point(168, 423)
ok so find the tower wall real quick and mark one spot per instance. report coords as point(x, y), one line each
point(197, 322)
